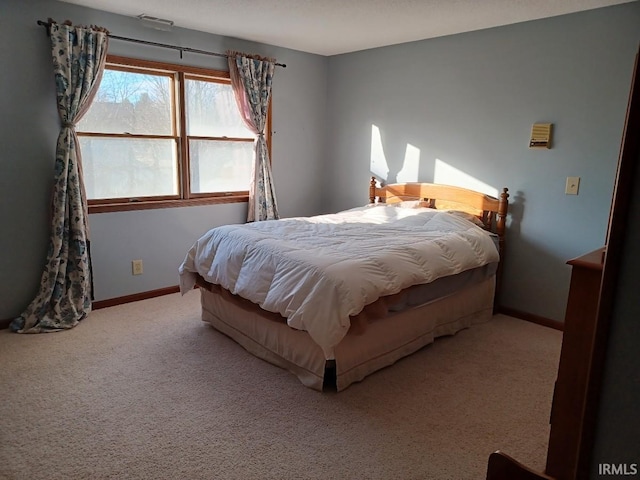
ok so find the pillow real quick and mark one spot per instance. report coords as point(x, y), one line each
point(402, 204)
point(411, 204)
point(467, 216)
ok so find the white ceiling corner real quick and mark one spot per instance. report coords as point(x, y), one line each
point(331, 27)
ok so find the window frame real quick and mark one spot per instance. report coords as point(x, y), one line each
point(185, 197)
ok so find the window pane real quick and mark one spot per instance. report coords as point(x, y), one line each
point(126, 168)
point(218, 166)
point(212, 111)
point(129, 102)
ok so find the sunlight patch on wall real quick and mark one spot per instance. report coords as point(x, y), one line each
point(378, 166)
point(410, 166)
point(448, 175)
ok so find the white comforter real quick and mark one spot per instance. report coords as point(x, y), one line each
point(318, 271)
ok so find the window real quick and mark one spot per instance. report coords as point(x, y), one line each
point(160, 135)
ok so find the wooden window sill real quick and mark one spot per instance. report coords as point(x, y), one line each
point(152, 204)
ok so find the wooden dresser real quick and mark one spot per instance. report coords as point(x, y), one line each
point(568, 412)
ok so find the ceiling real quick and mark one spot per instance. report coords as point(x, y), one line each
point(330, 27)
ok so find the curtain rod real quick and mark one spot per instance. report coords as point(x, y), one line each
point(47, 25)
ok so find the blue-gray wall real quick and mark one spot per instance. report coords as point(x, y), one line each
point(470, 100)
point(29, 129)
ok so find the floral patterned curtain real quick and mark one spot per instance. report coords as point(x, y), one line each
point(64, 298)
point(251, 81)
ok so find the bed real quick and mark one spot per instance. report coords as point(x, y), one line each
point(334, 298)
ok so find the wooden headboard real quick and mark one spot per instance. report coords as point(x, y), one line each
point(492, 211)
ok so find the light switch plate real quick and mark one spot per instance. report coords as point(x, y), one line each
point(572, 186)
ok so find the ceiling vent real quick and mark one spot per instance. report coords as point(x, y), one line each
point(155, 23)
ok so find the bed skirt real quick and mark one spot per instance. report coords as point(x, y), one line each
point(380, 344)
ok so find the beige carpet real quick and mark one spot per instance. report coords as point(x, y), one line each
point(148, 391)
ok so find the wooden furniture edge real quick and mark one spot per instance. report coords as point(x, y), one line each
point(623, 194)
point(530, 317)
point(567, 411)
point(593, 260)
point(504, 467)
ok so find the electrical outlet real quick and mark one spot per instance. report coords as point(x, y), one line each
point(572, 186)
point(136, 267)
